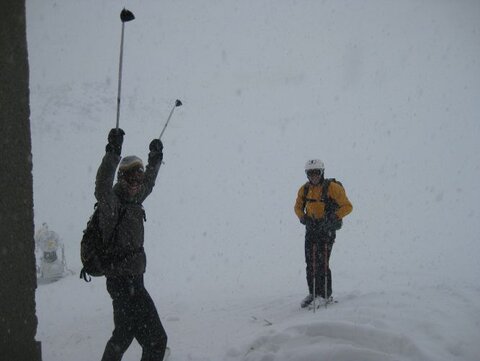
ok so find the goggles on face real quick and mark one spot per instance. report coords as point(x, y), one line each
point(314, 172)
point(135, 175)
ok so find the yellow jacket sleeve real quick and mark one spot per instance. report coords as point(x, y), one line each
point(300, 203)
point(337, 192)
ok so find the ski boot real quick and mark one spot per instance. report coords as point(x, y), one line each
point(306, 301)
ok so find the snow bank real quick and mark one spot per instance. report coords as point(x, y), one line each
point(431, 324)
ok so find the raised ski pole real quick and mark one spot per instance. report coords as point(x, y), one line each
point(325, 270)
point(125, 15)
point(314, 264)
point(178, 103)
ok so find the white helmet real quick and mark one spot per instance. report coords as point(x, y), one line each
point(314, 164)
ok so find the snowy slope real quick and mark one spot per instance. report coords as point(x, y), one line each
point(410, 321)
point(386, 93)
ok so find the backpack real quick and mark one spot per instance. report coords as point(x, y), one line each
point(94, 252)
point(330, 204)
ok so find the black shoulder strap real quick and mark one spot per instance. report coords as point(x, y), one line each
point(324, 198)
point(326, 184)
point(305, 192)
point(122, 212)
point(331, 204)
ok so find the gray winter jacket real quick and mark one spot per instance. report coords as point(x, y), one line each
point(126, 245)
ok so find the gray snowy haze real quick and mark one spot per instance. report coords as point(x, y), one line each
point(386, 93)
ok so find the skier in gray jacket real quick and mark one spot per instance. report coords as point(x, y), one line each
point(121, 220)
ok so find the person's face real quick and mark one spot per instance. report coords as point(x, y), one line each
point(133, 180)
point(314, 176)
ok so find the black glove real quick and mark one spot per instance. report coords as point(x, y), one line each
point(115, 141)
point(156, 151)
point(309, 222)
point(156, 145)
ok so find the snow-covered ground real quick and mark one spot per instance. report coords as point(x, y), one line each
point(385, 92)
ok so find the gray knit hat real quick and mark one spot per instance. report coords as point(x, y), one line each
point(130, 162)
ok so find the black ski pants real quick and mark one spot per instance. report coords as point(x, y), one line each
point(317, 259)
point(134, 316)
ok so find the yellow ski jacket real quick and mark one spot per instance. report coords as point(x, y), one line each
point(311, 204)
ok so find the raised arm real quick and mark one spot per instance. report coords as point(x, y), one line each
point(155, 157)
point(106, 171)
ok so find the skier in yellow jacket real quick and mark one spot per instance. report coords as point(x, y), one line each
point(321, 205)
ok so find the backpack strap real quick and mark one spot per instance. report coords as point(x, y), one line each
point(326, 184)
point(305, 192)
point(331, 207)
point(330, 204)
point(123, 210)
point(85, 275)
